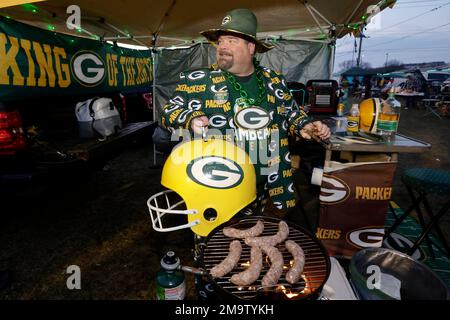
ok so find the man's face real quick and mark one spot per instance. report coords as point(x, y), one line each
point(234, 54)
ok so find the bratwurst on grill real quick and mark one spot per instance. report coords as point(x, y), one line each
point(294, 273)
point(276, 268)
point(254, 231)
point(249, 275)
point(229, 262)
point(270, 241)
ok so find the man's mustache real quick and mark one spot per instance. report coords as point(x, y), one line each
point(225, 53)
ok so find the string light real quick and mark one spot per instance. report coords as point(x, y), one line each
point(30, 7)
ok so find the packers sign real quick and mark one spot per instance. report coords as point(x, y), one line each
point(40, 62)
point(354, 201)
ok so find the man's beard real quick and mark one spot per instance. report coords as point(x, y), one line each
point(225, 60)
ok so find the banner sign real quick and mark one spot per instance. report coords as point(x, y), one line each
point(36, 62)
point(354, 200)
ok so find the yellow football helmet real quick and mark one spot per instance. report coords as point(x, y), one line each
point(368, 110)
point(215, 179)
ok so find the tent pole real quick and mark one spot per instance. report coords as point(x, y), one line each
point(154, 98)
point(166, 16)
point(314, 17)
point(320, 14)
point(351, 16)
point(358, 61)
point(312, 40)
point(171, 38)
point(90, 33)
point(333, 51)
point(128, 37)
point(293, 36)
point(124, 33)
point(145, 37)
point(268, 37)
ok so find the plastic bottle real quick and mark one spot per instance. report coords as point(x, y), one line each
point(388, 117)
point(170, 284)
point(353, 119)
point(340, 110)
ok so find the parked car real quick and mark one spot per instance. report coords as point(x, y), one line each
point(447, 81)
point(445, 89)
point(436, 78)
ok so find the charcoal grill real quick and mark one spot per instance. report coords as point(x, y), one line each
point(315, 273)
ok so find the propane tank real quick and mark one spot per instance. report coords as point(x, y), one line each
point(170, 281)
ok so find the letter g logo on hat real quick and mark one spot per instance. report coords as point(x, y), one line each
point(226, 20)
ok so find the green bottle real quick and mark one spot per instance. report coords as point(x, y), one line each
point(170, 284)
point(388, 117)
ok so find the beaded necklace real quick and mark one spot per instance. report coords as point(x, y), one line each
point(244, 95)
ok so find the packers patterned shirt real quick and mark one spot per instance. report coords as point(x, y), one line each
point(261, 130)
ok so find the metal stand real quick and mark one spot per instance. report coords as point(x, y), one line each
point(434, 219)
point(430, 104)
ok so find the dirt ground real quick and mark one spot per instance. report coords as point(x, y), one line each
point(102, 225)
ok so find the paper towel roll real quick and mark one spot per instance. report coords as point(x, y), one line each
point(316, 177)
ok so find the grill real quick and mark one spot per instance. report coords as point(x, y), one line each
point(314, 275)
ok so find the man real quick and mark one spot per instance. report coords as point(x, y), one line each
point(240, 101)
point(412, 85)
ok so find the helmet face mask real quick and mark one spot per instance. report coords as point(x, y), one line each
point(215, 178)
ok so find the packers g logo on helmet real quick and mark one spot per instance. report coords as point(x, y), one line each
point(215, 172)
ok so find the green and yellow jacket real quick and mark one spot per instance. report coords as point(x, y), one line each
point(262, 131)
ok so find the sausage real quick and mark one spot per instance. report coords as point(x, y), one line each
point(229, 262)
point(270, 241)
point(254, 231)
point(249, 275)
point(276, 268)
point(294, 273)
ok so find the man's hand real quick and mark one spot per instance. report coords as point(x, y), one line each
point(316, 128)
point(198, 123)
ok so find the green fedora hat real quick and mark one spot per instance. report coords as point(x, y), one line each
point(239, 22)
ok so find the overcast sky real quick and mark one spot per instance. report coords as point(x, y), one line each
point(413, 31)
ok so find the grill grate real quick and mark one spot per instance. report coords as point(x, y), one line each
point(314, 275)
